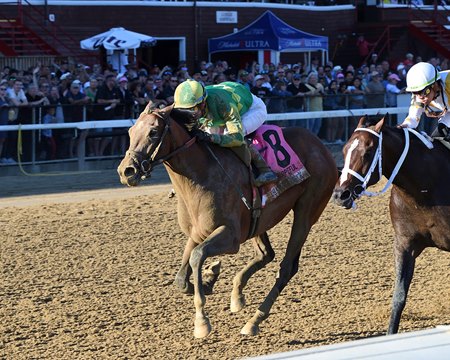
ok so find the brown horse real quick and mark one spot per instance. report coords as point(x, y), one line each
point(210, 182)
point(420, 201)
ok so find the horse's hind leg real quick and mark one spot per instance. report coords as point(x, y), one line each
point(264, 254)
point(288, 269)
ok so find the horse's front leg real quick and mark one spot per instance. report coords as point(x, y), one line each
point(264, 254)
point(221, 241)
point(182, 277)
point(404, 271)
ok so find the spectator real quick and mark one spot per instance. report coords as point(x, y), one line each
point(409, 60)
point(169, 90)
point(75, 112)
point(298, 90)
point(31, 114)
point(373, 59)
point(58, 134)
point(140, 100)
point(123, 111)
point(4, 109)
point(392, 90)
point(363, 48)
point(356, 94)
point(259, 90)
point(334, 126)
point(48, 143)
point(277, 103)
point(315, 102)
point(107, 99)
point(219, 78)
point(375, 91)
point(243, 78)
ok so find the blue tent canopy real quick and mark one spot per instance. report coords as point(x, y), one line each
point(269, 32)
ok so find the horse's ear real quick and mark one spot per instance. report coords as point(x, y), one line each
point(379, 125)
point(362, 121)
point(167, 110)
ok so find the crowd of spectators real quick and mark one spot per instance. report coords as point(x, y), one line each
point(75, 92)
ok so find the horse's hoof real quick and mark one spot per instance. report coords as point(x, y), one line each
point(202, 328)
point(185, 287)
point(250, 329)
point(237, 304)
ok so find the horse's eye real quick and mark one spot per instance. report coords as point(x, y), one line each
point(153, 133)
point(368, 155)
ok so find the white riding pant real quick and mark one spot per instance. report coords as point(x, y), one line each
point(255, 116)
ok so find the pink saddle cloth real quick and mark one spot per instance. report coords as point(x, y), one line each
point(270, 142)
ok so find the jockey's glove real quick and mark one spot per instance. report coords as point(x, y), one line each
point(202, 135)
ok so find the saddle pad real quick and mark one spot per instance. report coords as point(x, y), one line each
point(269, 141)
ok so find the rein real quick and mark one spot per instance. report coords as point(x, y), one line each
point(377, 159)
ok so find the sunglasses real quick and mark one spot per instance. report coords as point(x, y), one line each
point(424, 92)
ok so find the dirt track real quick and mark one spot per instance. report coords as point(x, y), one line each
point(87, 274)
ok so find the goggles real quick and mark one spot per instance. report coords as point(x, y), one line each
point(424, 92)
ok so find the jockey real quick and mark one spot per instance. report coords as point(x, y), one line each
point(430, 95)
point(227, 111)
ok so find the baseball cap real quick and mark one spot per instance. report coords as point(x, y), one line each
point(259, 77)
point(340, 75)
point(400, 66)
point(65, 76)
point(76, 83)
point(203, 72)
point(296, 76)
point(393, 77)
point(243, 73)
point(123, 78)
point(337, 68)
point(374, 73)
point(167, 73)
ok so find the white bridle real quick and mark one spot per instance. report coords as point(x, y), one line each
point(377, 159)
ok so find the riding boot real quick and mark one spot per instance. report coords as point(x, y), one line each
point(266, 175)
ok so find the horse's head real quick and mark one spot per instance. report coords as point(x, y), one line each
point(148, 141)
point(362, 154)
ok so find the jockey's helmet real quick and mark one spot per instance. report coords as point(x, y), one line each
point(189, 94)
point(420, 76)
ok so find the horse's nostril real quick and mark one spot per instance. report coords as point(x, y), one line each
point(345, 195)
point(129, 171)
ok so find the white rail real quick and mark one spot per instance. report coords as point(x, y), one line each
point(270, 117)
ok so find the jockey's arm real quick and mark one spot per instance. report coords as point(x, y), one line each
point(234, 135)
point(415, 113)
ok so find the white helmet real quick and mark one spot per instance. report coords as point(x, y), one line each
point(420, 76)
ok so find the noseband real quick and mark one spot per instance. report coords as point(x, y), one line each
point(147, 165)
point(360, 190)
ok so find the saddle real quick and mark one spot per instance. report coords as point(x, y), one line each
point(443, 140)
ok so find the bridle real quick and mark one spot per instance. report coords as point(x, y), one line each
point(360, 189)
point(146, 165)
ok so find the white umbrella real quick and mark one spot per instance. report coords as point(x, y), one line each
point(117, 39)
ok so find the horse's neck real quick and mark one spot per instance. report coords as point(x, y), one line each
point(188, 167)
point(412, 173)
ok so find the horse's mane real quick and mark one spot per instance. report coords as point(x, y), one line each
point(185, 118)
